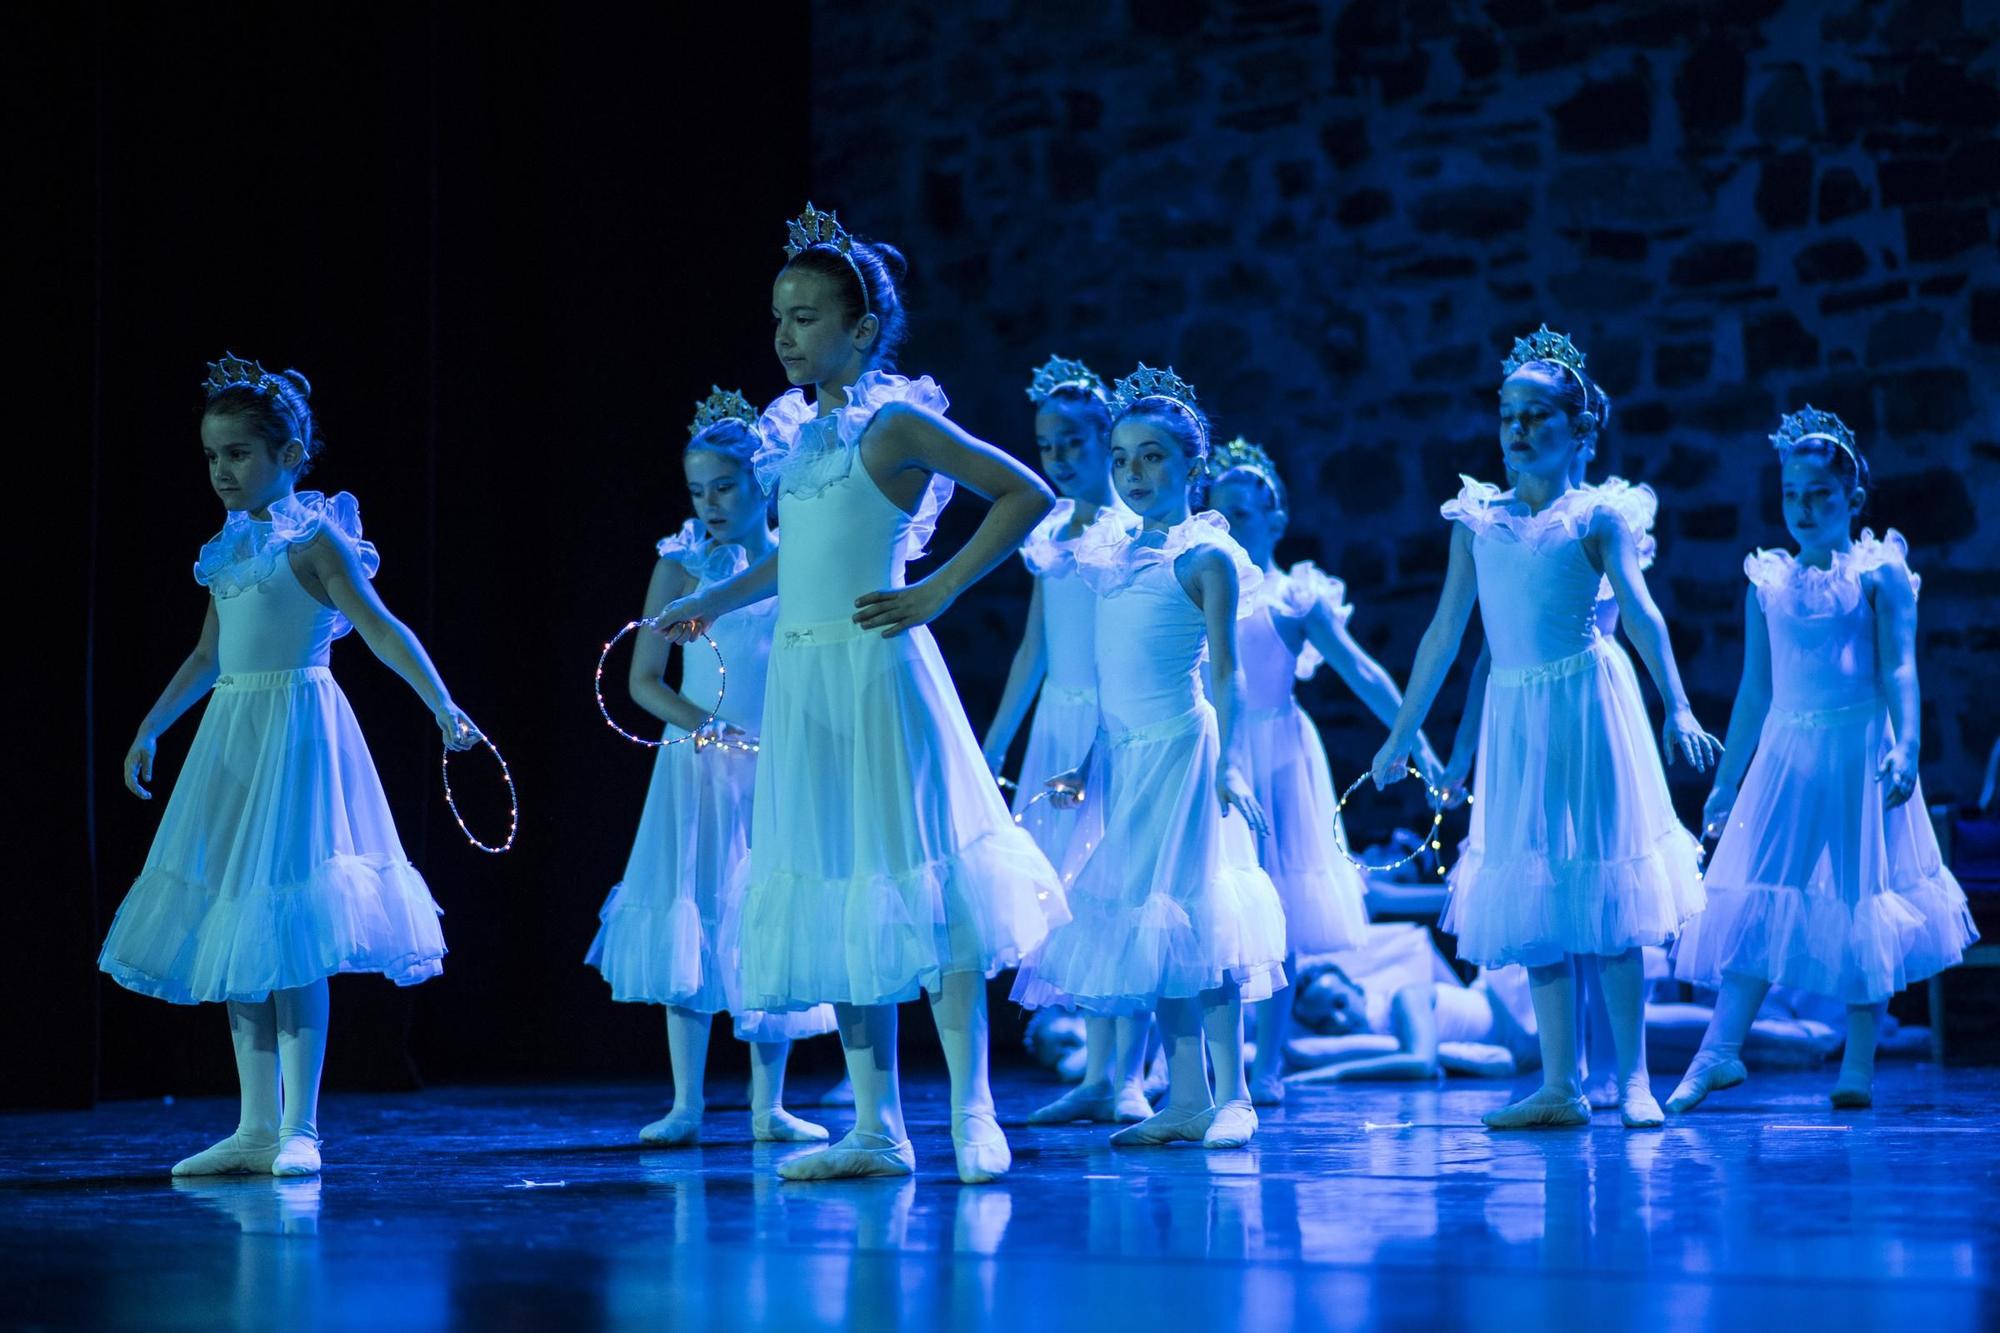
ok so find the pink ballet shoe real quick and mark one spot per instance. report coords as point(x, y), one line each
point(1172, 1125)
point(234, 1156)
point(980, 1148)
point(1233, 1126)
point(859, 1155)
point(1547, 1108)
point(297, 1155)
point(1704, 1077)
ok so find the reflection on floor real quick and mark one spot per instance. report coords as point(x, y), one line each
point(1356, 1208)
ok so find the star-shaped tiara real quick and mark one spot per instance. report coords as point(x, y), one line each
point(1062, 373)
point(721, 405)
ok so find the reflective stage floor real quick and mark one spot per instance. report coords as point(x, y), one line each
point(1361, 1208)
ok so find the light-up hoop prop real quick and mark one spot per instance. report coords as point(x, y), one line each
point(714, 714)
point(513, 800)
point(1432, 841)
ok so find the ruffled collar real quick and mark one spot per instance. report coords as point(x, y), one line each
point(1485, 508)
point(706, 560)
point(1293, 593)
point(247, 550)
point(803, 453)
point(1048, 554)
point(1111, 559)
point(1808, 591)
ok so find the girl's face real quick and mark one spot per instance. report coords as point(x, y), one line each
point(1243, 500)
point(814, 342)
point(1329, 1003)
point(1149, 470)
point(247, 477)
point(1075, 454)
point(1819, 506)
point(725, 495)
point(1538, 436)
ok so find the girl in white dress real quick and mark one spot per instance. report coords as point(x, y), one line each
point(664, 934)
point(1574, 847)
point(1297, 620)
point(1055, 669)
point(1172, 912)
point(1827, 877)
point(276, 864)
point(883, 863)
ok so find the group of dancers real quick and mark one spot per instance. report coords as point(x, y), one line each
point(834, 842)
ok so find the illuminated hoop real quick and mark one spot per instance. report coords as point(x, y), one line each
point(513, 799)
point(1434, 796)
point(714, 714)
point(1046, 793)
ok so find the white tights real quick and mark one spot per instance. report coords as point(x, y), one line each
point(280, 1050)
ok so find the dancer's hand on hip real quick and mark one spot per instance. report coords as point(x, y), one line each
point(898, 610)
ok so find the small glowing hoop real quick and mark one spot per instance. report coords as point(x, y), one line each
point(1046, 794)
point(1434, 796)
point(513, 800)
point(700, 741)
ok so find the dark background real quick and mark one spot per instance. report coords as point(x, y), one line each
point(511, 254)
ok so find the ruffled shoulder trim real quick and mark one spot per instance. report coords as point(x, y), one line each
point(1111, 560)
point(247, 550)
point(1805, 591)
point(706, 561)
point(1295, 593)
point(802, 453)
point(1048, 554)
point(1485, 508)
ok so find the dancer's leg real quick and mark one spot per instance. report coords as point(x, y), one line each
point(1600, 1051)
point(1624, 982)
point(1856, 1086)
point(1235, 1119)
point(1559, 1103)
point(878, 1145)
point(301, 1020)
point(1719, 1063)
point(687, 1056)
point(1189, 1109)
point(1094, 1098)
point(1267, 1078)
point(253, 1033)
point(770, 1122)
point(959, 1009)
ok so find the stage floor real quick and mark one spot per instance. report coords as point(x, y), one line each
point(1356, 1208)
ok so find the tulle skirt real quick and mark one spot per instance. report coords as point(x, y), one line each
point(667, 931)
point(1815, 885)
point(1167, 896)
point(276, 862)
point(883, 857)
point(1065, 725)
point(1323, 892)
point(1574, 846)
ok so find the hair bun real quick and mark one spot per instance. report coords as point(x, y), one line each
point(892, 260)
point(299, 382)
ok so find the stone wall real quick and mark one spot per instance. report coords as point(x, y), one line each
point(1333, 220)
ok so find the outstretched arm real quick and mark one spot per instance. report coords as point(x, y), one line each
point(1896, 662)
point(904, 438)
point(1746, 718)
point(331, 559)
point(686, 617)
point(194, 678)
point(1024, 678)
point(1434, 654)
point(1615, 551)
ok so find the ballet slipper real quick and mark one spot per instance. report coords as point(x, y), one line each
point(1703, 1077)
point(234, 1156)
point(778, 1125)
point(1852, 1096)
point(297, 1155)
point(1086, 1101)
point(1638, 1109)
point(980, 1147)
point(858, 1155)
point(675, 1129)
point(1267, 1090)
point(1173, 1125)
point(1234, 1125)
point(1132, 1106)
point(1546, 1108)
point(1602, 1095)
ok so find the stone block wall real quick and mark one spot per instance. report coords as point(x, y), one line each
point(1334, 218)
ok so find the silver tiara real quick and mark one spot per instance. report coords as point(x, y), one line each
point(722, 405)
point(233, 370)
point(1062, 373)
point(814, 228)
point(1252, 458)
point(1809, 423)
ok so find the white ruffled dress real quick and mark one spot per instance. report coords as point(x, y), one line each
point(1814, 884)
point(882, 856)
point(666, 933)
point(1167, 895)
point(1574, 846)
point(276, 862)
point(1066, 708)
point(1323, 892)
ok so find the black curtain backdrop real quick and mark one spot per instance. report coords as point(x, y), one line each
point(510, 253)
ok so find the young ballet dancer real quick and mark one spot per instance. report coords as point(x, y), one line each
point(883, 862)
point(1172, 913)
point(1827, 877)
point(664, 938)
point(1574, 848)
point(276, 864)
point(1297, 619)
point(1055, 670)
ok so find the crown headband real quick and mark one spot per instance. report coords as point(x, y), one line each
point(813, 229)
point(722, 405)
point(233, 370)
point(1251, 458)
point(1146, 382)
point(1545, 344)
point(1058, 373)
point(1809, 423)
